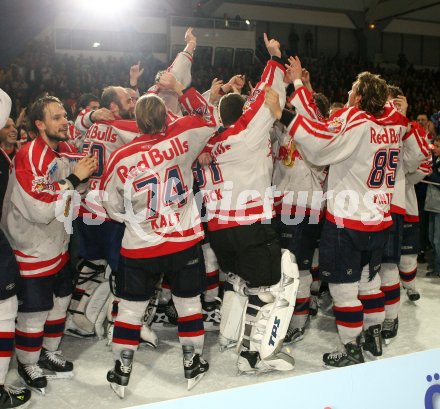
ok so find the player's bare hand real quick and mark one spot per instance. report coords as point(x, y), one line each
point(205, 159)
point(102, 114)
point(190, 37)
point(237, 82)
point(271, 99)
point(167, 80)
point(85, 167)
point(273, 46)
point(401, 104)
point(214, 94)
point(135, 72)
point(251, 88)
point(294, 68)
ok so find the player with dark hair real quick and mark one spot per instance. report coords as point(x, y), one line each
point(42, 185)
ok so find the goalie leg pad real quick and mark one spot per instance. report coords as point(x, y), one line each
point(231, 312)
point(91, 275)
point(149, 336)
point(273, 318)
point(91, 305)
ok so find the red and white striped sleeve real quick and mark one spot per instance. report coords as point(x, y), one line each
point(415, 148)
point(305, 105)
point(325, 143)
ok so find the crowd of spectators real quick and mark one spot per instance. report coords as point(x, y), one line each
point(39, 69)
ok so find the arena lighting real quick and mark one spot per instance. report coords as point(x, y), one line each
point(104, 7)
point(96, 45)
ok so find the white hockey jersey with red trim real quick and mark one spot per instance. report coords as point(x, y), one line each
point(299, 182)
point(413, 155)
point(101, 140)
point(37, 202)
point(236, 187)
point(418, 136)
point(298, 185)
point(363, 155)
point(181, 69)
point(148, 185)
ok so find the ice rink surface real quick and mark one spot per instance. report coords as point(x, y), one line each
point(158, 374)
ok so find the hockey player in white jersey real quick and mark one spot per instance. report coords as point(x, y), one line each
point(411, 234)
point(181, 70)
point(148, 186)
point(10, 397)
point(38, 204)
point(100, 237)
point(413, 155)
point(299, 204)
point(261, 283)
point(357, 148)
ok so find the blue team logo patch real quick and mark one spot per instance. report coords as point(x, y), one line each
point(52, 168)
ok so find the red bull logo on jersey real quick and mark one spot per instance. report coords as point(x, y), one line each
point(388, 136)
point(335, 124)
point(41, 184)
point(108, 135)
point(154, 157)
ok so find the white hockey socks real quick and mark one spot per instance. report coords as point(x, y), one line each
point(29, 336)
point(190, 322)
point(389, 275)
point(127, 329)
point(54, 325)
point(8, 312)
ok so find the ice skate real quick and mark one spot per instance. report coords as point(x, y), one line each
point(120, 374)
point(351, 356)
point(226, 343)
point(211, 314)
point(294, 335)
point(413, 294)
point(249, 362)
point(54, 365)
point(13, 397)
point(32, 376)
point(314, 304)
point(373, 341)
point(194, 366)
point(389, 329)
point(165, 315)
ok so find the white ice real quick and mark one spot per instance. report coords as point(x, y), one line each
point(158, 374)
